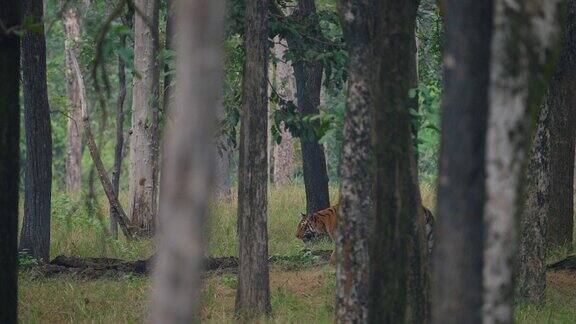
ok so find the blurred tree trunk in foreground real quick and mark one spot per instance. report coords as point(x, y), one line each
point(562, 104)
point(188, 163)
point(9, 160)
point(457, 255)
point(35, 238)
point(253, 291)
point(143, 186)
point(522, 61)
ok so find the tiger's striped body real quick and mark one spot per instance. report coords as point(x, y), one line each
point(324, 222)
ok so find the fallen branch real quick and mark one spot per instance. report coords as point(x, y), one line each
point(569, 263)
point(94, 268)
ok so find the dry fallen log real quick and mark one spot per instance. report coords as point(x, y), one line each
point(93, 268)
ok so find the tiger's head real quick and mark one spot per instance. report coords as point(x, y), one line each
point(306, 230)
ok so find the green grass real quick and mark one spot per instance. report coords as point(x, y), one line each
point(301, 291)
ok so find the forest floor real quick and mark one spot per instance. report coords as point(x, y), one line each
point(302, 289)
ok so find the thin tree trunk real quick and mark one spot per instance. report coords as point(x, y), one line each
point(119, 147)
point(91, 200)
point(308, 75)
point(355, 212)
point(396, 192)
point(35, 238)
point(531, 260)
point(283, 152)
point(9, 160)
point(222, 187)
point(74, 139)
point(123, 220)
point(253, 291)
point(522, 62)
point(562, 105)
point(188, 163)
point(144, 142)
point(457, 260)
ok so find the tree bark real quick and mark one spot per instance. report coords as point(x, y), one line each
point(35, 237)
point(562, 105)
point(396, 192)
point(9, 160)
point(74, 139)
point(144, 142)
point(253, 291)
point(360, 26)
point(308, 75)
point(521, 64)
point(188, 163)
point(457, 260)
point(283, 152)
point(169, 45)
point(531, 260)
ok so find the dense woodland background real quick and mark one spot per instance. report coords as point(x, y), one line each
point(305, 104)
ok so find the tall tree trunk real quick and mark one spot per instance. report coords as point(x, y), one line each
point(74, 139)
point(308, 75)
point(457, 260)
point(355, 213)
point(396, 192)
point(35, 238)
point(283, 152)
point(253, 291)
point(531, 260)
point(562, 105)
point(9, 159)
point(521, 63)
point(144, 141)
point(188, 163)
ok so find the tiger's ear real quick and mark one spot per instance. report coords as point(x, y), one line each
point(303, 215)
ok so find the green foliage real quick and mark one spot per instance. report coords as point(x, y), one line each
point(26, 261)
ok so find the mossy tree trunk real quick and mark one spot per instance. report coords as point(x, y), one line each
point(9, 159)
point(457, 255)
point(188, 163)
point(522, 61)
point(253, 291)
point(35, 238)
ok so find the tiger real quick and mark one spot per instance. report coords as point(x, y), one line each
point(324, 222)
